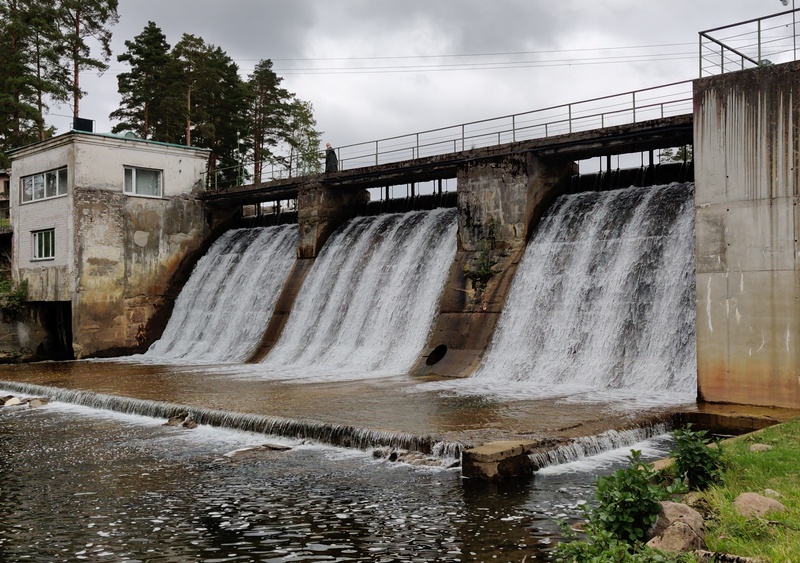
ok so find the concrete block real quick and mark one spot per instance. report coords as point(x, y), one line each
point(498, 461)
point(760, 235)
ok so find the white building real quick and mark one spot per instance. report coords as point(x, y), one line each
point(101, 224)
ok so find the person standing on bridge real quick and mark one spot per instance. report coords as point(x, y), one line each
point(331, 162)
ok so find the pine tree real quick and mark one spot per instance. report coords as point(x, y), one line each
point(303, 139)
point(146, 107)
point(269, 115)
point(20, 123)
point(79, 20)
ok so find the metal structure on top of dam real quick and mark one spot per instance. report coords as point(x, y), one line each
point(640, 120)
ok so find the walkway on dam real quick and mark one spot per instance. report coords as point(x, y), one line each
point(567, 134)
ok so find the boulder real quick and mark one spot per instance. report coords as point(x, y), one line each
point(758, 448)
point(754, 504)
point(678, 538)
point(189, 423)
point(679, 528)
point(178, 419)
point(37, 402)
point(11, 401)
point(672, 512)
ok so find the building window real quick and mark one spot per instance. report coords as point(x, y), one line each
point(52, 183)
point(44, 244)
point(142, 181)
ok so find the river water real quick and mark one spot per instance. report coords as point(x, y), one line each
point(597, 335)
point(84, 484)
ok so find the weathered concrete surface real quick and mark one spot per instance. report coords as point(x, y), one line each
point(126, 251)
point(283, 308)
point(499, 203)
point(747, 151)
point(498, 461)
point(320, 211)
point(33, 336)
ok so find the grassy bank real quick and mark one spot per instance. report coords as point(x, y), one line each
point(778, 537)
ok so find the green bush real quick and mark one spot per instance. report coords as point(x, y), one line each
point(629, 500)
point(603, 547)
point(12, 300)
point(697, 461)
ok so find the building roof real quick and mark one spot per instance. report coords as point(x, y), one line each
point(72, 135)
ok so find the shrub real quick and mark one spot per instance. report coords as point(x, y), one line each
point(697, 460)
point(13, 300)
point(629, 500)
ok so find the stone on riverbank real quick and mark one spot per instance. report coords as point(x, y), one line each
point(679, 528)
point(754, 504)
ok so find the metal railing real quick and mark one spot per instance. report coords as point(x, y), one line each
point(749, 44)
point(618, 109)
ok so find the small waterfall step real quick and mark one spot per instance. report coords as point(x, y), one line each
point(339, 435)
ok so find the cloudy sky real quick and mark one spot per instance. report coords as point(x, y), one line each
point(379, 68)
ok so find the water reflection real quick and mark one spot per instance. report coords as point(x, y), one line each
point(79, 484)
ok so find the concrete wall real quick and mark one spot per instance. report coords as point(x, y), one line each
point(500, 202)
point(747, 157)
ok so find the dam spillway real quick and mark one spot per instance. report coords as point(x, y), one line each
point(368, 303)
point(603, 299)
point(225, 306)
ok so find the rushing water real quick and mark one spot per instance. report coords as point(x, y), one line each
point(370, 299)
point(82, 484)
point(602, 302)
point(224, 308)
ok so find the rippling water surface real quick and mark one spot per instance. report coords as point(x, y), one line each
point(83, 484)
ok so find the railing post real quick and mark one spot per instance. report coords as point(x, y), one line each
point(633, 95)
point(569, 117)
point(700, 54)
point(376, 153)
point(759, 42)
point(462, 138)
point(417, 145)
point(514, 128)
point(721, 59)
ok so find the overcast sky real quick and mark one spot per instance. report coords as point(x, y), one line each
point(379, 68)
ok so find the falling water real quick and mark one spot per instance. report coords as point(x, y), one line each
point(369, 302)
point(321, 432)
point(602, 304)
point(224, 308)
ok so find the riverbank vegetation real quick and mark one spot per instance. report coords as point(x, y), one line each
point(766, 462)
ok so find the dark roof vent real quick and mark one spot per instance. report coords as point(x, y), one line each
point(81, 124)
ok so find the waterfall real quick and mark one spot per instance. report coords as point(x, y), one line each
point(604, 297)
point(340, 435)
point(224, 308)
point(370, 300)
point(602, 304)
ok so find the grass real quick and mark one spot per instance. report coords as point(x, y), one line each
point(774, 538)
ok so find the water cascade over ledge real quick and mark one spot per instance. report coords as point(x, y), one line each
point(370, 299)
point(224, 308)
point(602, 304)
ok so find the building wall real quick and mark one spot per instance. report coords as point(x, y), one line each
point(121, 250)
point(747, 148)
point(48, 280)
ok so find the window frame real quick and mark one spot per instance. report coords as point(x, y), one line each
point(134, 184)
point(39, 182)
point(36, 245)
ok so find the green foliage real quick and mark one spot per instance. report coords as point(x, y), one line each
point(12, 299)
point(700, 465)
point(681, 154)
point(629, 500)
point(145, 89)
point(604, 547)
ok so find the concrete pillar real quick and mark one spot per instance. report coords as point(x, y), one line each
point(747, 147)
point(499, 203)
point(320, 211)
